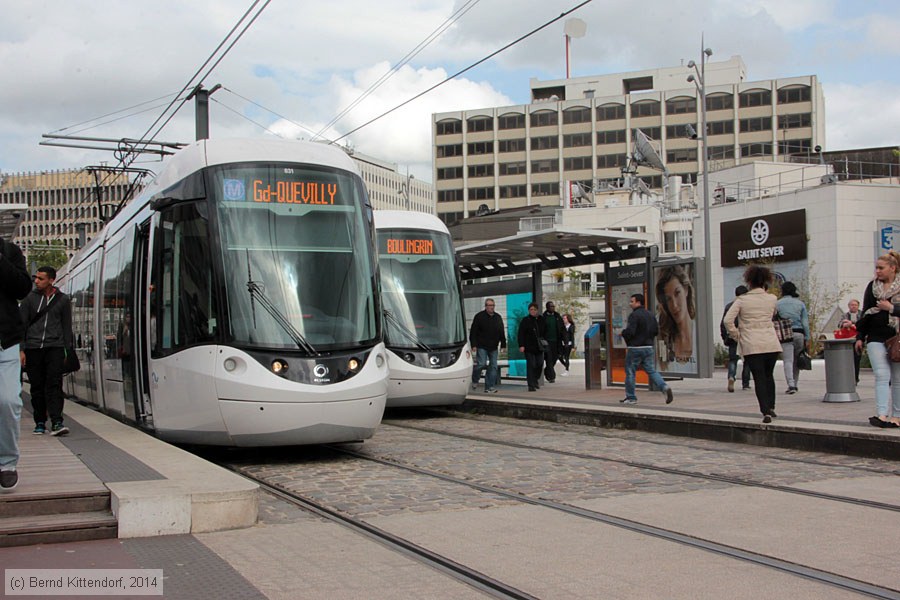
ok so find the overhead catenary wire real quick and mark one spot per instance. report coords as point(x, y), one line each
point(460, 72)
point(301, 126)
point(127, 159)
point(115, 112)
point(456, 16)
point(243, 116)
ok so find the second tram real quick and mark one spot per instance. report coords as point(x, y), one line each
point(429, 356)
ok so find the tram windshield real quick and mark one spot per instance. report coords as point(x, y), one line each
point(296, 256)
point(420, 289)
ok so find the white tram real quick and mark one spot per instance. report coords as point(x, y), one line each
point(424, 327)
point(234, 302)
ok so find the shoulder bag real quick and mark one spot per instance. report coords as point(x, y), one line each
point(783, 329)
point(71, 363)
point(893, 348)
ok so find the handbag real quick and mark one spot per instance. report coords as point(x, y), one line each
point(893, 348)
point(71, 363)
point(544, 344)
point(783, 329)
point(804, 362)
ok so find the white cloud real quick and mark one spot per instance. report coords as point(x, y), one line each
point(404, 136)
point(65, 62)
point(849, 126)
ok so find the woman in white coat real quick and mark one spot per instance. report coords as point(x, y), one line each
point(756, 336)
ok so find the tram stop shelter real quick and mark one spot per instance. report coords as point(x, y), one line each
point(549, 249)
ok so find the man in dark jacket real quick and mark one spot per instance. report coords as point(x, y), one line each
point(638, 335)
point(531, 333)
point(47, 314)
point(485, 336)
point(556, 338)
point(14, 284)
point(732, 346)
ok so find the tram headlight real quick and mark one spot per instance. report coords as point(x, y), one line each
point(354, 364)
point(279, 366)
point(230, 364)
point(409, 357)
point(379, 360)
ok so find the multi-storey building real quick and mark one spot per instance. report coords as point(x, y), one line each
point(581, 130)
point(390, 189)
point(62, 204)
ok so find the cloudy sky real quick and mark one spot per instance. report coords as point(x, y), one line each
point(93, 68)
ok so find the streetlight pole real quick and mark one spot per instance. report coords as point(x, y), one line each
point(699, 80)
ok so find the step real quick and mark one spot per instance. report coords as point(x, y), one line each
point(54, 529)
point(33, 504)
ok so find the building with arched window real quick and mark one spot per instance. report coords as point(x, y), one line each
point(581, 130)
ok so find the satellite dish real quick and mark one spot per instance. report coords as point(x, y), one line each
point(645, 154)
point(575, 28)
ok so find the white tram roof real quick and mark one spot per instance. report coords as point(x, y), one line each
point(205, 153)
point(407, 219)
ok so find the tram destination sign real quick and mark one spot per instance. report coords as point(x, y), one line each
point(779, 237)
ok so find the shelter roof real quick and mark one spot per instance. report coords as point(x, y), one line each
point(555, 248)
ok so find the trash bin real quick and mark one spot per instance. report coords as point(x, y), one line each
point(840, 374)
point(593, 358)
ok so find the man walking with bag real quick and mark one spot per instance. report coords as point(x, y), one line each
point(638, 335)
point(47, 314)
point(14, 284)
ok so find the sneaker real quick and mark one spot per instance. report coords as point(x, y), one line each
point(731, 384)
point(565, 373)
point(59, 429)
point(791, 391)
point(767, 419)
point(39, 429)
point(9, 479)
point(628, 401)
point(745, 388)
point(490, 391)
point(669, 395)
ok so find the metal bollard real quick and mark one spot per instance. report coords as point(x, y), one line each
point(840, 374)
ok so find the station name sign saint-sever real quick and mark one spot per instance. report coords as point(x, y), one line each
point(779, 237)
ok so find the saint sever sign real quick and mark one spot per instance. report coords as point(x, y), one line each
point(780, 237)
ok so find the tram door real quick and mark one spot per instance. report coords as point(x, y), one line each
point(142, 410)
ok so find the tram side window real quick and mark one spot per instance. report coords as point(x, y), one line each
point(182, 305)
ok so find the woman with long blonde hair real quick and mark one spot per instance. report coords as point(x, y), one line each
point(880, 322)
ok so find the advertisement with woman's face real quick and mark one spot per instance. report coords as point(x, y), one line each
point(676, 311)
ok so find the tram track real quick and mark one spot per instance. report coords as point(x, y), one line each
point(446, 565)
point(458, 415)
point(668, 470)
point(811, 573)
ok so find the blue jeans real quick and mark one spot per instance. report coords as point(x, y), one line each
point(886, 373)
point(733, 358)
point(789, 353)
point(644, 358)
point(10, 407)
point(486, 359)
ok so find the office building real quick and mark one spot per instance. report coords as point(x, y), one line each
point(581, 130)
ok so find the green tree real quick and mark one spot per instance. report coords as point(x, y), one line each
point(47, 254)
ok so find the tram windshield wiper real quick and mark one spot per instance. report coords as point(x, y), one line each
point(256, 292)
point(410, 335)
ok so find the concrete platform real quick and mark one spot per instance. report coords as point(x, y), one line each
point(155, 488)
point(704, 408)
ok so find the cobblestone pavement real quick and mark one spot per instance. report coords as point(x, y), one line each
point(367, 489)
